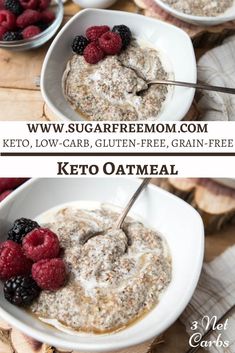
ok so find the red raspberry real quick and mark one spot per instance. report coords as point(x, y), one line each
point(2, 5)
point(10, 183)
point(40, 244)
point(29, 4)
point(94, 33)
point(43, 4)
point(2, 31)
point(47, 16)
point(27, 18)
point(49, 274)
point(93, 53)
point(7, 192)
point(110, 43)
point(7, 19)
point(30, 31)
point(13, 262)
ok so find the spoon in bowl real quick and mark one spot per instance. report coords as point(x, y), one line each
point(198, 85)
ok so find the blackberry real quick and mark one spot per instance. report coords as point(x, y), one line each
point(20, 228)
point(42, 25)
point(125, 34)
point(13, 6)
point(21, 291)
point(79, 44)
point(10, 36)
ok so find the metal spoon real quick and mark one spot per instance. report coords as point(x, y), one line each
point(198, 85)
point(123, 215)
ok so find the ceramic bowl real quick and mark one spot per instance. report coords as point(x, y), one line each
point(174, 43)
point(178, 222)
point(97, 4)
point(229, 15)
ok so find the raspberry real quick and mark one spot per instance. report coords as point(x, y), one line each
point(47, 16)
point(13, 6)
point(93, 53)
point(43, 4)
point(125, 34)
point(30, 31)
point(7, 20)
point(2, 6)
point(3, 30)
point(12, 36)
point(94, 33)
point(79, 44)
point(27, 18)
point(29, 4)
point(7, 192)
point(41, 244)
point(13, 262)
point(21, 290)
point(10, 183)
point(20, 228)
point(49, 274)
point(110, 43)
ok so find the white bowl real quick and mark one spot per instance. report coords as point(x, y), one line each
point(97, 4)
point(172, 41)
point(229, 15)
point(179, 223)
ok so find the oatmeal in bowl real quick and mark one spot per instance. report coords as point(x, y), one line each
point(103, 79)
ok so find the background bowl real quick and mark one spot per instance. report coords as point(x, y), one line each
point(172, 41)
point(179, 223)
point(229, 15)
point(41, 38)
point(97, 4)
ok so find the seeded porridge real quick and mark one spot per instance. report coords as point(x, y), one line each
point(210, 8)
point(109, 89)
point(114, 278)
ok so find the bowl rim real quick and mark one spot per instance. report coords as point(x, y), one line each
point(20, 44)
point(60, 115)
point(209, 19)
point(114, 345)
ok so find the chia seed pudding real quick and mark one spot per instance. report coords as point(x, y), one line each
point(114, 277)
point(209, 8)
point(109, 89)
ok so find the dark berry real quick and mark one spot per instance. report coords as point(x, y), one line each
point(21, 290)
point(20, 228)
point(13, 6)
point(125, 34)
point(8, 37)
point(79, 44)
point(42, 25)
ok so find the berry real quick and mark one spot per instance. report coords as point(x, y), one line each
point(79, 44)
point(13, 262)
point(7, 20)
point(3, 30)
point(5, 193)
point(20, 228)
point(43, 4)
point(21, 290)
point(30, 31)
point(13, 6)
point(94, 33)
point(10, 183)
point(11, 36)
point(2, 6)
point(110, 43)
point(93, 53)
point(29, 4)
point(49, 274)
point(27, 18)
point(47, 16)
point(125, 34)
point(41, 244)
point(41, 25)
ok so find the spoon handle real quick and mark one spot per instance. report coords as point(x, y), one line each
point(194, 85)
point(122, 217)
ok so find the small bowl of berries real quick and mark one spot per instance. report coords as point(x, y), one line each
point(28, 24)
